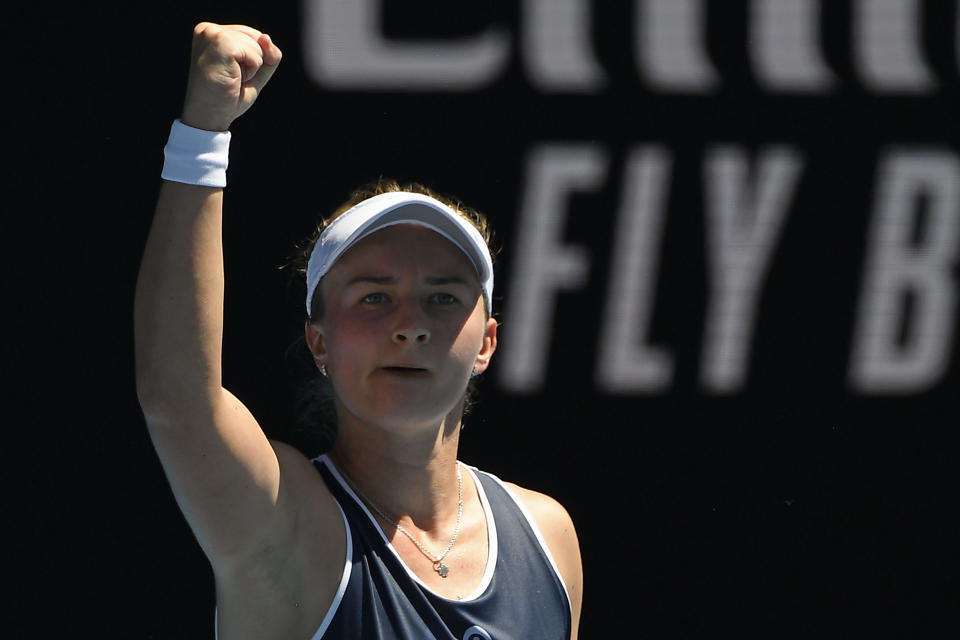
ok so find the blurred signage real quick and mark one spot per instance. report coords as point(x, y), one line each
point(903, 332)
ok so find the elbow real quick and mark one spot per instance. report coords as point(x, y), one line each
point(173, 383)
point(165, 395)
point(156, 398)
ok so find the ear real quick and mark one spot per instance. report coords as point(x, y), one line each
point(488, 346)
point(313, 333)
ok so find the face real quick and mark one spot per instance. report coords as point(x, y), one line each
point(404, 325)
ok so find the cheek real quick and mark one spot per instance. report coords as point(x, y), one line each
point(468, 341)
point(346, 339)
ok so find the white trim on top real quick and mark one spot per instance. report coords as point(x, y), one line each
point(491, 534)
point(536, 531)
point(344, 580)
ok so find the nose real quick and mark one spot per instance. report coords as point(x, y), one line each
point(419, 335)
point(411, 328)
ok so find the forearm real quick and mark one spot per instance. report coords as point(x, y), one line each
point(178, 309)
point(178, 314)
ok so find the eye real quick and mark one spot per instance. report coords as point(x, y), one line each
point(374, 298)
point(444, 298)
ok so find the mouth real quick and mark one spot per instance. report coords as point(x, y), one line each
point(404, 370)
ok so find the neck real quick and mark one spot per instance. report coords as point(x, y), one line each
point(411, 475)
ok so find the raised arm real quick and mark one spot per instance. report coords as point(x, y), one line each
point(223, 470)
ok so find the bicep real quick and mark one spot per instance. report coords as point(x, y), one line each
point(223, 471)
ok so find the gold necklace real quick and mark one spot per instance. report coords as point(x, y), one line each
point(438, 564)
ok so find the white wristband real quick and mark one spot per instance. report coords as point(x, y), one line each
point(196, 156)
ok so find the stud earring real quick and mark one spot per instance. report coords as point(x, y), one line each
point(476, 371)
point(320, 365)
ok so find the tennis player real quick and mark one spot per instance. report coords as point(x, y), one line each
point(387, 535)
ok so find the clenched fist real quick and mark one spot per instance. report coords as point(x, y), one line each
point(229, 67)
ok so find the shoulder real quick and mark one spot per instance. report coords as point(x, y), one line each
point(293, 459)
point(306, 509)
point(550, 516)
point(305, 521)
point(288, 581)
point(559, 533)
point(302, 488)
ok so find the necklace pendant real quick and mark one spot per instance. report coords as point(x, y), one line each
point(442, 569)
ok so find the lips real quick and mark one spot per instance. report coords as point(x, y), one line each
point(404, 369)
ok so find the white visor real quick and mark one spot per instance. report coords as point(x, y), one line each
point(399, 207)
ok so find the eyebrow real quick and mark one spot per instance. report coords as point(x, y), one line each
point(372, 280)
point(444, 280)
point(385, 280)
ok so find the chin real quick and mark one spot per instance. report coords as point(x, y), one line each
point(404, 407)
point(403, 417)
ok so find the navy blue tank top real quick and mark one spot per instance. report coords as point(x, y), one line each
point(520, 596)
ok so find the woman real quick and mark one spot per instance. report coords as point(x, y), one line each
point(388, 535)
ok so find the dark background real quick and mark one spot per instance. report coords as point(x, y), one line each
point(792, 507)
